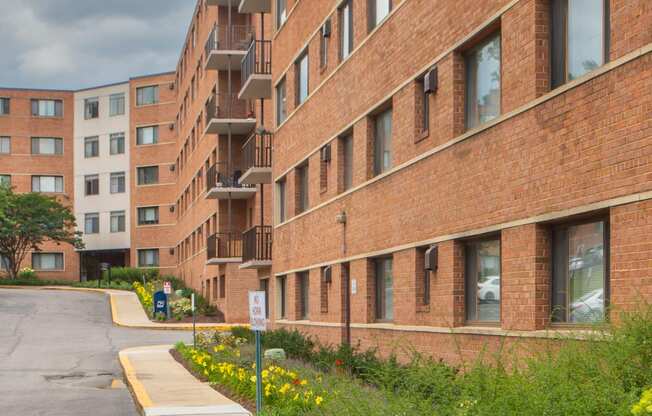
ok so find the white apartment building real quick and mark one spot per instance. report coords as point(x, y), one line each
point(101, 170)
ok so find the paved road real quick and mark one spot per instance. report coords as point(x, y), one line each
point(58, 354)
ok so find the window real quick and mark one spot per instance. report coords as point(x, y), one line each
point(148, 175)
point(281, 103)
point(378, 11)
point(47, 184)
point(580, 272)
point(4, 106)
point(91, 108)
point(47, 261)
point(117, 183)
point(347, 161)
point(148, 257)
point(92, 185)
point(483, 82)
point(281, 7)
point(264, 286)
point(117, 221)
point(5, 145)
point(117, 143)
point(223, 287)
point(5, 180)
point(482, 280)
point(147, 95)
point(4, 263)
point(116, 104)
point(304, 294)
point(302, 188)
point(579, 38)
point(148, 216)
point(384, 289)
point(346, 29)
point(47, 146)
point(383, 142)
point(92, 223)
point(147, 135)
point(47, 108)
point(281, 293)
point(301, 75)
point(91, 147)
point(323, 44)
point(281, 200)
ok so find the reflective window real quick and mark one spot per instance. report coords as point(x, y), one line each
point(383, 142)
point(147, 95)
point(579, 273)
point(116, 104)
point(147, 135)
point(482, 280)
point(384, 289)
point(301, 71)
point(92, 223)
point(483, 82)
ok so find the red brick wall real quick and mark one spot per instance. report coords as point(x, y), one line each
point(20, 126)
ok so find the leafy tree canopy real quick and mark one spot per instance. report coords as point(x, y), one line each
point(27, 220)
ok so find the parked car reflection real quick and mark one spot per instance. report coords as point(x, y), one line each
point(489, 290)
point(589, 307)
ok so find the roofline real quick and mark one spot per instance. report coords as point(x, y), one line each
point(88, 88)
point(152, 75)
point(113, 84)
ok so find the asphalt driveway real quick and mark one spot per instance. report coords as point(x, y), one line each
point(58, 354)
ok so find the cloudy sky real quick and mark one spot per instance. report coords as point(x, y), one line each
point(72, 44)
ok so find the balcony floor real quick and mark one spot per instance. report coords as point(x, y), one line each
point(219, 60)
point(239, 126)
point(223, 260)
point(222, 192)
point(255, 6)
point(256, 264)
point(257, 86)
point(256, 175)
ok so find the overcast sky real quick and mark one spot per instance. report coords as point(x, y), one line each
point(73, 44)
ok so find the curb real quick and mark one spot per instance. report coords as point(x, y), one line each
point(114, 314)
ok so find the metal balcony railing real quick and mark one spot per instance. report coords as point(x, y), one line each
point(228, 106)
point(258, 59)
point(225, 38)
point(257, 243)
point(224, 246)
point(220, 176)
point(257, 151)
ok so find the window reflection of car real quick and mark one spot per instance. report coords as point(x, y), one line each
point(589, 307)
point(592, 257)
point(489, 290)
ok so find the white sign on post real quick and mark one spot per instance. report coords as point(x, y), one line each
point(167, 288)
point(257, 311)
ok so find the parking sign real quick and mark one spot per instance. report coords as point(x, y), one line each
point(257, 311)
point(167, 288)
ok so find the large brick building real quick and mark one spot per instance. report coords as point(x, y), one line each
point(454, 174)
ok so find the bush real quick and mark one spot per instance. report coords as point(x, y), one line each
point(34, 282)
point(131, 274)
point(295, 344)
point(181, 308)
point(243, 332)
point(177, 283)
point(26, 273)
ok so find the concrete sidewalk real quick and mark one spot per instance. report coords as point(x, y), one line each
point(163, 387)
point(126, 310)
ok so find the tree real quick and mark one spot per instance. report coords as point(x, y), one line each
point(27, 220)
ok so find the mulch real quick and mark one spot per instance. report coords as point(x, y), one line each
point(243, 401)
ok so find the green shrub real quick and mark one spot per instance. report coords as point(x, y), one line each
point(131, 274)
point(243, 332)
point(295, 344)
point(26, 273)
point(34, 282)
point(175, 281)
point(180, 308)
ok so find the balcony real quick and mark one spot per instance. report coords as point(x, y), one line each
point(223, 183)
point(227, 44)
point(225, 111)
point(257, 247)
point(222, 248)
point(256, 71)
point(257, 152)
point(232, 3)
point(255, 6)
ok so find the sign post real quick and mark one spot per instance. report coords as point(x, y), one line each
point(192, 307)
point(167, 289)
point(258, 324)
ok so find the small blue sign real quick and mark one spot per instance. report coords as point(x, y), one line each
point(160, 302)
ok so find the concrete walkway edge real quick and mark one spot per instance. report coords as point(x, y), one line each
point(163, 387)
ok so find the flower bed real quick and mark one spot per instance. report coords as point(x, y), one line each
point(608, 375)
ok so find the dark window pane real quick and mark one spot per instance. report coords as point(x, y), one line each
point(482, 280)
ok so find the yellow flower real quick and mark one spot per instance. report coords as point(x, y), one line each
point(319, 400)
